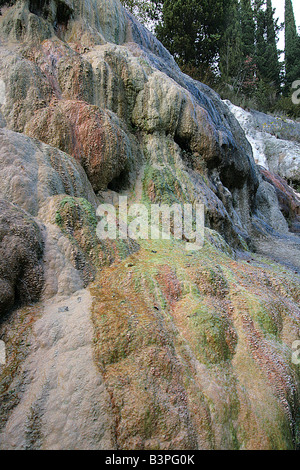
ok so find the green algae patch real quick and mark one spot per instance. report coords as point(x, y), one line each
point(162, 187)
point(77, 220)
point(192, 353)
point(212, 332)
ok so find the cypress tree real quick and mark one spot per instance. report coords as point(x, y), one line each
point(261, 43)
point(231, 55)
point(274, 68)
point(192, 29)
point(266, 46)
point(292, 47)
point(248, 77)
point(248, 28)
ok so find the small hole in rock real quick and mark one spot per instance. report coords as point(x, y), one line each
point(120, 183)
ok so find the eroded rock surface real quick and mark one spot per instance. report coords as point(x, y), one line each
point(275, 142)
point(65, 406)
point(21, 253)
point(135, 344)
point(288, 199)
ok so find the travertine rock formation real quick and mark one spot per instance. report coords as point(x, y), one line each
point(134, 344)
point(288, 200)
point(275, 142)
point(21, 253)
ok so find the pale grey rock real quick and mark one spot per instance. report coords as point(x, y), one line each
point(31, 172)
point(61, 277)
point(64, 404)
point(269, 207)
point(275, 142)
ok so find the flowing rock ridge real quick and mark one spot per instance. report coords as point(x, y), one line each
point(275, 142)
point(174, 350)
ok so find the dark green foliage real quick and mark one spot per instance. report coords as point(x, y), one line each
point(248, 28)
point(266, 47)
point(286, 107)
point(191, 30)
point(231, 57)
point(272, 75)
point(249, 57)
point(266, 57)
point(292, 47)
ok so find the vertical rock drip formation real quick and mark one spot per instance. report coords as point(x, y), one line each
point(134, 344)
